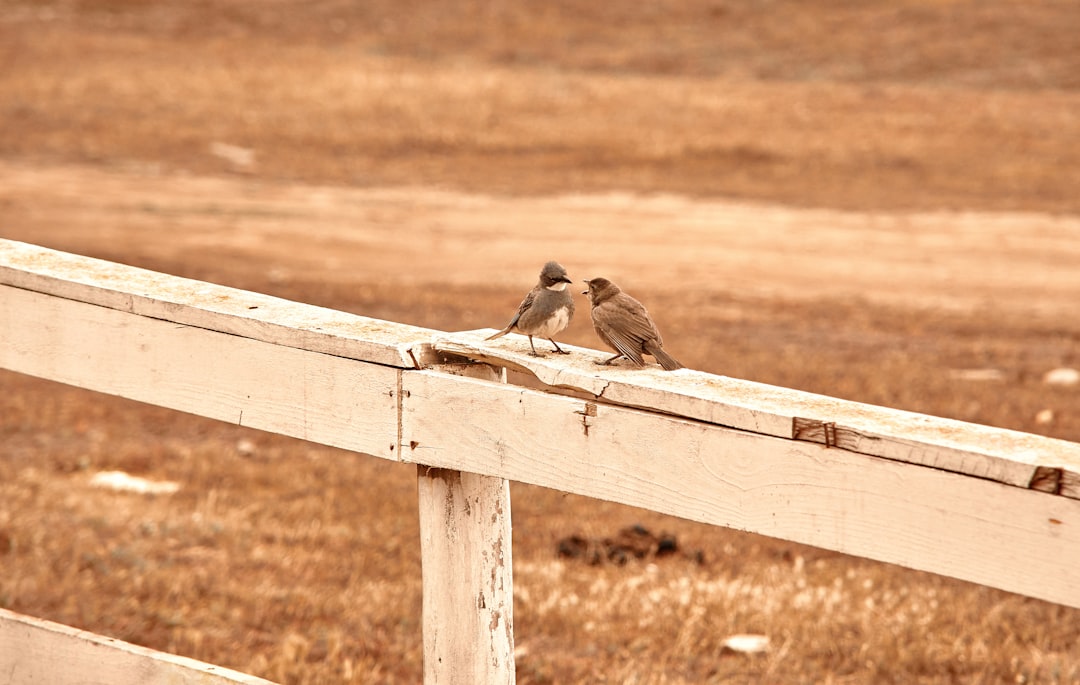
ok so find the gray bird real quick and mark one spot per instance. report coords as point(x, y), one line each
point(546, 310)
point(622, 324)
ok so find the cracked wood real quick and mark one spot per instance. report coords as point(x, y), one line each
point(997, 454)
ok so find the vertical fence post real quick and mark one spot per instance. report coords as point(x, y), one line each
point(468, 593)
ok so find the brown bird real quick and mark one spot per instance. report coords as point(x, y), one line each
point(546, 310)
point(623, 325)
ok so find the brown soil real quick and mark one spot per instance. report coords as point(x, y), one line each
point(860, 200)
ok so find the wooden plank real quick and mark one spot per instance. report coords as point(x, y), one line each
point(974, 529)
point(996, 454)
point(466, 555)
point(209, 306)
point(34, 651)
point(465, 544)
point(303, 394)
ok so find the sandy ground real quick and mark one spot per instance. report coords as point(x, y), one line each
point(1001, 264)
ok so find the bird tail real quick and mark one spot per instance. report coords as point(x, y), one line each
point(500, 333)
point(666, 360)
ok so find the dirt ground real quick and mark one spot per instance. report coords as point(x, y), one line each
point(872, 201)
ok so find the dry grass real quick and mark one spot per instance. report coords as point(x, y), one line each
point(429, 96)
point(300, 563)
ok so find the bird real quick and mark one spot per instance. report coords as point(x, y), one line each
point(623, 324)
point(547, 309)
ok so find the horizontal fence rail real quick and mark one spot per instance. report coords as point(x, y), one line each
point(37, 651)
point(992, 506)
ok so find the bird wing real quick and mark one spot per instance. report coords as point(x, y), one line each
point(525, 305)
point(522, 308)
point(626, 326)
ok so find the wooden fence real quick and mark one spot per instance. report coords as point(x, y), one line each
point(987, 505)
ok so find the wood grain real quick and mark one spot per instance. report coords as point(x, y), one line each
point(207, 305)
point(299, 393)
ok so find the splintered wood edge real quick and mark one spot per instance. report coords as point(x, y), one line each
point(1056, 481)
point(210, 306)
point(1019, 459)
point(650, 388)
point(555, 370)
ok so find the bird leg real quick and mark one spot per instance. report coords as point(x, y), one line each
point(534, 353)
point(557, 348)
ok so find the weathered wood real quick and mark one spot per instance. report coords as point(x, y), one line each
point(465, 543)
point(34, 651)
point(303, 394)
point(1010, 457)
point(465, 546)
point(209, 306)
point(978, 530)
point(995, 454)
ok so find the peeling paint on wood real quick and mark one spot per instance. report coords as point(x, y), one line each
point(467, 577)
point(465, 545)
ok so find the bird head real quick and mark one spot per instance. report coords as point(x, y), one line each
point(600, 289)
point(553, 273)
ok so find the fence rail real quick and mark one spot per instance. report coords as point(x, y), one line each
point(43, 652)
point(987, 505)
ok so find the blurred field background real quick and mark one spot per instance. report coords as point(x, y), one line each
point(876, 201)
